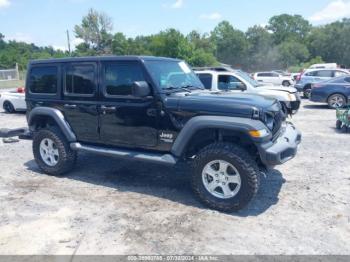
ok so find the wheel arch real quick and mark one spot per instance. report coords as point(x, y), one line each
point(203, 130)
point(40, 117)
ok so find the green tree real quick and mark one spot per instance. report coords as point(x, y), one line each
point(292, 53)
point(331, 42)
point(170, 43)
point(95, 30)
point(286, 27)
point(231, 44)
point(262, 54)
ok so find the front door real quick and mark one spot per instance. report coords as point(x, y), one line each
point(126, 120)
point(80, 95)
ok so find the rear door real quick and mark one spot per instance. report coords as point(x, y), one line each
point(80, 97)
point(126, 120)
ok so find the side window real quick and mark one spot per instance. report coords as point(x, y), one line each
point(274, 75)
point(325, 73)
point(43, 80)
point(313, 73)
point(119, 78)
point(262, 75)
point(227, 82)
point(206, 80)
point(339, 73)
point(80, 80)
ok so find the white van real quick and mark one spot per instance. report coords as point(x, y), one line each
point(324, 66)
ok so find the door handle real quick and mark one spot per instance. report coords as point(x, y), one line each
point(108, 108)
point(68, 106)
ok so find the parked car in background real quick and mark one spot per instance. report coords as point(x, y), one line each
point(310, 77)
point(334, 92)
point(13, 101)
point(273, 78)
point(226, 79)
point(324, 66)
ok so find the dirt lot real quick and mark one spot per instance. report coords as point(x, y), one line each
point(107, 206)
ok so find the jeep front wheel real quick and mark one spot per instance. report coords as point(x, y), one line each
point(52, 152)
point(225, 177)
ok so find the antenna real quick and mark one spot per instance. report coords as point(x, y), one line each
point(68, 40)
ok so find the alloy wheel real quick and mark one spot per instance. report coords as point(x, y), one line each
point(221, 179)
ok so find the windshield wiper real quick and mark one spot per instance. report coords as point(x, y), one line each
point(174, 89)
point(191, 87)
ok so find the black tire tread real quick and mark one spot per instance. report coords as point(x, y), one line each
point(247, 163)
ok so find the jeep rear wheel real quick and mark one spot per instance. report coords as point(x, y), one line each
point(225, 177)
point(52, 152)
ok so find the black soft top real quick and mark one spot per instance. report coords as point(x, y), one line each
point(101, 58)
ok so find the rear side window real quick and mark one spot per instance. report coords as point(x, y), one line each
point(339, 73)
point(119, 78)
point(43, 80)
point(80, 80)
point(206, 80)
point(325, 73)
point(263, 75)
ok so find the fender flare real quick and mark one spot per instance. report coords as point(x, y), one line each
point(195, 124)
point(57, 116)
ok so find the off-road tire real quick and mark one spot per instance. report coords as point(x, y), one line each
point(286, 83)
point(67, 157)
point(338, 125)
point(8, 107)
point(242, 161)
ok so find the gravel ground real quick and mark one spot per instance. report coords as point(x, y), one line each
point(107, 206)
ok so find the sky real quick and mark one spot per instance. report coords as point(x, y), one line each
point(44, 22)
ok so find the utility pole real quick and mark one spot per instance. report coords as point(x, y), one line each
point(68, 40)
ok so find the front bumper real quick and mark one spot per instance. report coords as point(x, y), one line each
point(283, 149)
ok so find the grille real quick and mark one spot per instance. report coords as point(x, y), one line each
point(278, 120)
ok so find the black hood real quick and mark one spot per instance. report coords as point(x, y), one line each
point(222, 103)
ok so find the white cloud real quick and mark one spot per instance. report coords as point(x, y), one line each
point(76, 41)
point(20, 37)
point(4, 3)
point(212, 16)
point(178, 4)
point(333, 11)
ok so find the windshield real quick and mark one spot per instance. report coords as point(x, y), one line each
point(247, 78)
point(173, 75)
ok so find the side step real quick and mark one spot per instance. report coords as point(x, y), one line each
point(22, 133)
point(166, 159)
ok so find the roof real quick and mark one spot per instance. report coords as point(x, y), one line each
point(102, 58)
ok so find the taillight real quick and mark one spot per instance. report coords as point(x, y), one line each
point(20, 90)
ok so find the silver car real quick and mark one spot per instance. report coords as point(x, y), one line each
point(314, 76)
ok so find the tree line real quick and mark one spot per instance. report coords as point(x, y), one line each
point(286, 42)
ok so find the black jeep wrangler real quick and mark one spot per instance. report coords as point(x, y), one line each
point(156, 110)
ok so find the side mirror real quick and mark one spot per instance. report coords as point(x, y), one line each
point(141, 89)
point(242, 87)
